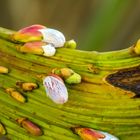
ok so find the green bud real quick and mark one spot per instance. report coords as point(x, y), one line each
point(73, 79)
point(68, 75)
point(70, 44)
point(56, 71)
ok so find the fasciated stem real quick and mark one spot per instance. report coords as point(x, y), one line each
point(95, 102)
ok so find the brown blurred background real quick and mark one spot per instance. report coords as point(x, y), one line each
point(95, 24)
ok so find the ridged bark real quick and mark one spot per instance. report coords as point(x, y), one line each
point(107, 99)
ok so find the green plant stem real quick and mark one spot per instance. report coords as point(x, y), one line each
point(93, 103)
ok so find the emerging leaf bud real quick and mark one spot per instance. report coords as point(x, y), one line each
point(28, 34)
point(91, 134)
point(16, 95)
point(74, 79)
point(63, 72)
point(68, 75)
point(66, 72)
point(32, 47)
point(70, 44)
point(40, 48)
point(27, 86)
point(40, 33)
point(29, 126)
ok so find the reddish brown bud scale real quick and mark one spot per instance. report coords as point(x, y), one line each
point(31, 127)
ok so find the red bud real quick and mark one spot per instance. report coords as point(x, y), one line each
point(30, 126)
point(88, 134)
point(32, 47)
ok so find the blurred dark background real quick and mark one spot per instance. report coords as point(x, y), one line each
point(95, 24)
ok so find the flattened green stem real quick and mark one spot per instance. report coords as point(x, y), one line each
point(100, 110)
point(92, 103)
point(97, 59)
point(57, 132)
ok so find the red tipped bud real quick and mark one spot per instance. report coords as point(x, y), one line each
point(88, 134)
point(32, 47)
point(68, 75)
point(29, 126)
point(91, 134)
point(40, 33)
point(37, 48)
point(28, 34)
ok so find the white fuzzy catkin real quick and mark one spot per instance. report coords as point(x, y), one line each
point(53, 36)
point(49, 50)
point(55, 90)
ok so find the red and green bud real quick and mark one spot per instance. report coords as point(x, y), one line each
point(40, 33)
point(31, 127)
point(91, 134)
point(88, 134)
point(28, 34)
point(40, 48)
point(32, 47)
point(68, 75)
